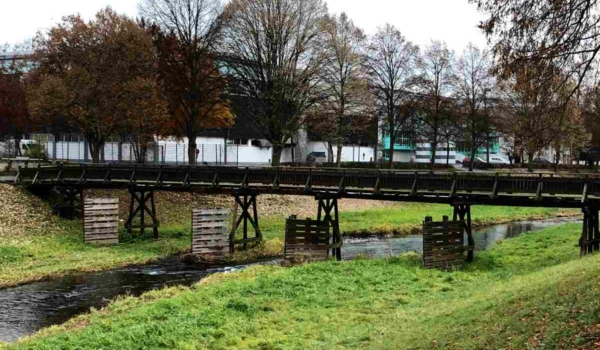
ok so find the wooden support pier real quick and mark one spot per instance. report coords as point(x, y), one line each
point(328, 212)
point(246, 201)
point(590, 236)
point(462, 212)
point(138, 205)
point(70, 202)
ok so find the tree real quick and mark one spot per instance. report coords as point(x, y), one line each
point(569, 127)
point(145, 115)
point(473, 91)
point(435, 83)
point(390, 66)
point(591, 117)
point(85, 73)
point(344, 109)
point(272, 51)
point(14, 117)
point(528, 109)
point(185, 33)
point(563, 33)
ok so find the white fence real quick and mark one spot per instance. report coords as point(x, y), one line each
point(114, 152)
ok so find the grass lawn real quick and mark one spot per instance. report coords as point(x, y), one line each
point(29, 258)
point(532, 292)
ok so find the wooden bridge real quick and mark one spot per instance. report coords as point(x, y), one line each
point(461, 190)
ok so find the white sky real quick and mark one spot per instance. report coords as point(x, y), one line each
point(452, 21)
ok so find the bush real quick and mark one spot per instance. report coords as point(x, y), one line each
point(36, 152)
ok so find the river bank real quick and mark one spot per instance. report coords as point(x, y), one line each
point(34, 306)
point(531, 292)
point(56, 248)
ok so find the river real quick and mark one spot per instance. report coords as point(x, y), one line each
point(29, 308)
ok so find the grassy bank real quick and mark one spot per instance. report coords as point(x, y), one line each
point(59, 250)
point(532, 292)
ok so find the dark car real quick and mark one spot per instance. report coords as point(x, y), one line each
point(316, 157)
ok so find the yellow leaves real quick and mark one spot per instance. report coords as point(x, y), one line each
point(22, 214)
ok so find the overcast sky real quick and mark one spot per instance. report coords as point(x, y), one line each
point(452, 21)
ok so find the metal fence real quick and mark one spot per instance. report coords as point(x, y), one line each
point(172, 153)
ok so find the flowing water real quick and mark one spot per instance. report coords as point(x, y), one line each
point(29, 308)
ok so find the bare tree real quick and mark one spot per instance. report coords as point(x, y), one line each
point(474, 84)
point(435, 82)
point(344, 109)
point(272, 50)
point(528, 109)
point(564, 33)
point(391, 68)
point(185, 33)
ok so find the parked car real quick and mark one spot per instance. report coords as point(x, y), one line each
point(496, 159)
point(542, 161)
point(317, 157)
point(477, 160)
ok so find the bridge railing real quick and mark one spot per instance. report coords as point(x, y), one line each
point(366, 180)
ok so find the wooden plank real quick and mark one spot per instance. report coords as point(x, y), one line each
point(100, 224)
point(101, 220)
point(210, 212)
point(210, 233)
point(88, 201)
point(111, 212)
point(103, 242)
point(210, 225)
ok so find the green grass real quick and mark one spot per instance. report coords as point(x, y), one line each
point(407, 218)
point(532, 292)
point(25, 259)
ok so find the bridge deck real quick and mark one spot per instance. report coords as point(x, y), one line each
point(569, 191)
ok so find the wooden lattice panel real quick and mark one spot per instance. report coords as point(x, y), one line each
point(443, 244)
point(210, 233)
point(306, 240)
point(101, 220)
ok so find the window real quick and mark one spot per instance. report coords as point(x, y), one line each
point(239, 142)
point(256, 143)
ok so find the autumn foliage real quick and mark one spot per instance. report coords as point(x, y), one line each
point(99, 75)
point(14, 117)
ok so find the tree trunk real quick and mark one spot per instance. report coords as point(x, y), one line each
point(277, 152)
point(530, 162)
point(433, 145)
point(141, 151)
point(472, 159)
point(18, 151)
point(448, 152)
point(192, 147)
point(330, 158)
point(95, 149)
point(338, 161)
point(392, 142)
point(557, 159)
point(487, 149)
